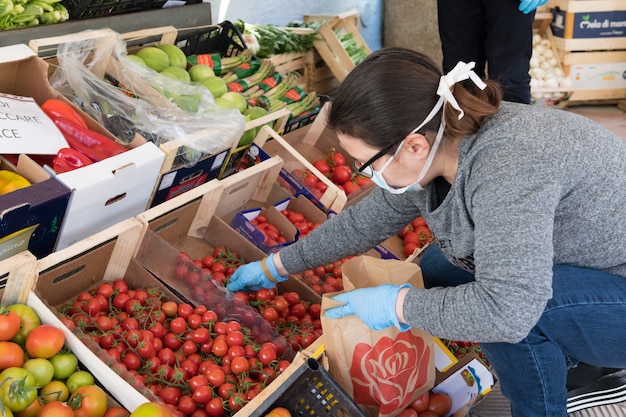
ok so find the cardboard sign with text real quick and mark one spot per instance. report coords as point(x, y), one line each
point(384, 370)
point(26, 128)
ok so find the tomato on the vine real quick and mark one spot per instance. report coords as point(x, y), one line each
point(17, 388)
point(88, 401)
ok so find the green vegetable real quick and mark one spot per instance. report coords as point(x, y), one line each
point(24, 13)
point(275, 40)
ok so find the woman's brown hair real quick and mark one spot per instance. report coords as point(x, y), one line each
point(393, 90)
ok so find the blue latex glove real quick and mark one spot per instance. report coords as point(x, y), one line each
point(375, 306)
point(252, 276)
point(527, 6)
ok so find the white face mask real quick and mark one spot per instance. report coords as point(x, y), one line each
point(377, 176)
point(460, 72)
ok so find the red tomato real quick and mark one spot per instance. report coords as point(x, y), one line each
point(116, 412)
point(349, 187)
point(341, 174)
point(55, 409)
point(9, 324)
point(336, 159)
point(428, 413)
point(418, 222)
point(88, 401)
point(420, 403)
point(44, 341)
point(215, 407)
point(440, 403)
point(11, 355)
point(322, 166)
point(407, 412)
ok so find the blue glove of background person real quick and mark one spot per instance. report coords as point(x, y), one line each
point(527, 6)
point(252, 276)
point(375, 306)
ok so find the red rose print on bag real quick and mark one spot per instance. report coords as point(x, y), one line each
point(388, 373)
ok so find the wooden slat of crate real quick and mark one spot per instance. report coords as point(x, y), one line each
point(320, 78)
point(351, 15)
point(18, 277)
point(209, 196)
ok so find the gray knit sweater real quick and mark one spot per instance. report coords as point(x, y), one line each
point(534, 187)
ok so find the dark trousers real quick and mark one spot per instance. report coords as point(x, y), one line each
point(495, 35)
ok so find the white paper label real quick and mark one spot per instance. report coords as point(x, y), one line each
point(25, 128)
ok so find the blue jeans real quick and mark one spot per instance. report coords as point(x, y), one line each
point(585, 321)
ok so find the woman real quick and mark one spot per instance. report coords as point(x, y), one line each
point(528, 208)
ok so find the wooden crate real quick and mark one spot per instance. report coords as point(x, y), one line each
point(329, 47)
point(596, 75)
point(304, 146)
point(602, 19)
point(548, 95)
point(17, 277)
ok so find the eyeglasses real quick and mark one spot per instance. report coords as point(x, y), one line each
point(365, 169)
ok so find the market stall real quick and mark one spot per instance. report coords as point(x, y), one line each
point(174, 155)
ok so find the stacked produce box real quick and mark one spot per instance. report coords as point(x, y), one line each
point(591, 43)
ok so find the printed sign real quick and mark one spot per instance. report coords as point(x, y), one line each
point(25, 128)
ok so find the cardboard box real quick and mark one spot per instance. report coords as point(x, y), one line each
point(32, 216)
point(596, 75)
point(102, 193)
point(580, 25)
point(466, 382)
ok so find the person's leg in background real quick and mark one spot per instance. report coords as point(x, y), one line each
point(462, 30)
point(508, 46)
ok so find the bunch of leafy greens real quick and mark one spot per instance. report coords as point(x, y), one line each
point(273, 40)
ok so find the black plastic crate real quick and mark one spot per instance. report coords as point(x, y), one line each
point(85, 9)
point(224, 38)
point(311, 391)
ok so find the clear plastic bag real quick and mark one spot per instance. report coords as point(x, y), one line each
point(94, 71)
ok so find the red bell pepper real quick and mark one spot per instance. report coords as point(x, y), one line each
point(89, 142)
point(56, 108)
point(68, 159)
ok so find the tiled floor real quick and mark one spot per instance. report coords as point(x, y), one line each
point(610, 116)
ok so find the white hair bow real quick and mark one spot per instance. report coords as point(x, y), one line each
point(460, 72)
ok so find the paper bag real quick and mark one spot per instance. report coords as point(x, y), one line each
point(385, 370)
